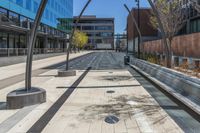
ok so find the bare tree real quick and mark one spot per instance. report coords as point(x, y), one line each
point(172, 16)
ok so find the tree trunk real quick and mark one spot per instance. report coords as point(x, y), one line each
point(169, 53)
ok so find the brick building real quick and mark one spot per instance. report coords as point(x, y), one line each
point(186, 45)
point(147, 31)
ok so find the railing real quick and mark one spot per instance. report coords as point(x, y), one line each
point(7, 52)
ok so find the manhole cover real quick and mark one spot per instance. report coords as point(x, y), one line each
point(110, 91)
point(111, 119)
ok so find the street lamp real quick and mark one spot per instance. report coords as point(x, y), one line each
point(29, 95)
point(67, 72)
point(136, 25)
point(138, 15)
point(31, 44)
point(73, 31)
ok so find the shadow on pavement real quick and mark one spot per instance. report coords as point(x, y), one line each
point(121, 107)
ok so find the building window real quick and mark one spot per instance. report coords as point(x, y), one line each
point(19, 2)
point(3, 11)
point(28, 4)
point(87, 28)
point(14, 18)
point(3, 40)
point(52, 3)
point(23, 22)
point(198, 25)
point(47, 14)
point(103, 27)
point(36, 6)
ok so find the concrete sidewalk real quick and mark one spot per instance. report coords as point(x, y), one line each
point(16, 69)
point(89, 104)
point(87, 107)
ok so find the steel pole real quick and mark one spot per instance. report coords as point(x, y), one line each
point(135, 23)
point(31, 44)
point(139, 28)
point(73, 31)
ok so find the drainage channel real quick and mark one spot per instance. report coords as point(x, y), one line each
point(187, 120)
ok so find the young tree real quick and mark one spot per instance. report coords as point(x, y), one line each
point(80, 39)
point(171, 15)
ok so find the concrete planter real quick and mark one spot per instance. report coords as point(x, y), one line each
point(181, 83)
point(66, 73)
point(20, 98)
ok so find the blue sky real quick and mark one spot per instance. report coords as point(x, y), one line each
point(109, 8)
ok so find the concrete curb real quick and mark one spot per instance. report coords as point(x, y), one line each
point(179, 97)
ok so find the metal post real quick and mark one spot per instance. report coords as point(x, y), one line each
point(31, 44)
point(135, 23)
point(73, 31)
point(127, 39)
point(138, 17)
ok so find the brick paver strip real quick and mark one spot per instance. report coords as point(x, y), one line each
point(44, 120)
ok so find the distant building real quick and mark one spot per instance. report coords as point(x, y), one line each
point(193, 18)
point(121, 42)
point(147, 31)
point(16, 21)
point(65, 24)
point(99, 30)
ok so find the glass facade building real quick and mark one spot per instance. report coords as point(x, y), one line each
point(55, 9)
point(16, 20)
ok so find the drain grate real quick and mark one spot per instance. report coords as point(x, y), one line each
point(111, 119)
point(110, 91)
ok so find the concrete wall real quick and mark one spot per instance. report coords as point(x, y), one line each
point(179, 82)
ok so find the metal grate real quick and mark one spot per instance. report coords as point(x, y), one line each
point(110, 91)
point(111, 119)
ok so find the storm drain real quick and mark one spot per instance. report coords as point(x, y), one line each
point(110, 91)
point(111, 119)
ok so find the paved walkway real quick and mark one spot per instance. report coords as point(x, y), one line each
point(16, 69)
point(107, 89)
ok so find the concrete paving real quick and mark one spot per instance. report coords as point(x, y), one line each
point(107, 89)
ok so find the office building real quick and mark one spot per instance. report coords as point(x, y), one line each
point(16, 20)
point(99, 30)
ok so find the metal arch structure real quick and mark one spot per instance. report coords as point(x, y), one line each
point(73, 31)
point(31, 43)
point(136, 25)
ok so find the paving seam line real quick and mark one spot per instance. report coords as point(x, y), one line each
point(39, 125)
point(195, 112)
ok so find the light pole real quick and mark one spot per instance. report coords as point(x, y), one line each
point(29, 95)
point(138, 17)
point(67, 72)
point(73, 31)
point(31, 44)
point(135, 23)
